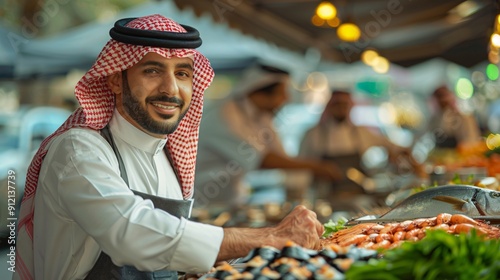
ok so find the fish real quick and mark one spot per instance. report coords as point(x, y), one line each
point(453, 199)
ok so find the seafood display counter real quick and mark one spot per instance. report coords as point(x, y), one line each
point(448, 232)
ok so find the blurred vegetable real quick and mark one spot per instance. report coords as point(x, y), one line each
point(438, 256)
point(332, 227)
point(457, 180)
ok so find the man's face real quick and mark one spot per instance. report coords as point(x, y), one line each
point(156, 93)
point(340, 106)
point(274, 100)
point(444, 98)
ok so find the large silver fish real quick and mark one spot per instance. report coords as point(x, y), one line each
point(453, 199)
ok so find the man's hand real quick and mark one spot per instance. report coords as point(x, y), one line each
point(300, 226)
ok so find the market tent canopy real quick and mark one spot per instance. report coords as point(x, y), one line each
point(79, 47)
point(9, 41)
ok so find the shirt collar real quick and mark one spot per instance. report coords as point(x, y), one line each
point(133, 136)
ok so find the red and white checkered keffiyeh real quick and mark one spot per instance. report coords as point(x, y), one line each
point(96, 108)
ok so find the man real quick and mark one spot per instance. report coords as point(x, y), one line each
point(336, 138)
point(237, 136)
point(109, 193)
point(450, 127)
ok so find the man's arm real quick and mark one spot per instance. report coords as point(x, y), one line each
point(90, 192)
point(323, 169)
point(300, 226)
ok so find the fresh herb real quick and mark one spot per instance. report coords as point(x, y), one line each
point(468, 181)
point(332, 227)
point(456, 180)
point(421, 188)
point(439, 255)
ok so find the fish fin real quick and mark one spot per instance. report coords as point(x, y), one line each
point(457, 203)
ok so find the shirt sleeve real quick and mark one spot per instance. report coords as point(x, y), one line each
point(128, 228)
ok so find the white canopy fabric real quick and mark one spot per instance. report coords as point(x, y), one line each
point(8, 51)
point(79, 47)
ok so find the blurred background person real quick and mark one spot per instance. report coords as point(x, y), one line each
point(337, 139)
point(238, 136)
point(451, 128)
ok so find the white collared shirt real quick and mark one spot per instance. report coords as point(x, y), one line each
point(82, 205)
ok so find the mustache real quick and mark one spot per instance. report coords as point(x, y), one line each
point(164, 98)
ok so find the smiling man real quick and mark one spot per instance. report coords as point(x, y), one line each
point(109, 194)
point(163, 89)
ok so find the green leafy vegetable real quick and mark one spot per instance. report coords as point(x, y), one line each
point(438, 256)
point(332, 227)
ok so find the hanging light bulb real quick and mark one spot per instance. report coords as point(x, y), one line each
point(495, 40)
point(381, 65)
point(333, 22)
point(497, 25)
point(326, 10)
point(348, 32)
point(317, 21)
point(369, 57)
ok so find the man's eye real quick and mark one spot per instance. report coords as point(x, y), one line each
point(151, 71)
point(184, 74)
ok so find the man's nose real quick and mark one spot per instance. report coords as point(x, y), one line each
point(169, 85)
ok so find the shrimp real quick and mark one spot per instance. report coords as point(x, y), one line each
point(399, 235)
point(428, 222)
point(461, 228)
point(388, 228)
point(462, 219)
point(443, 218)
point(354, 240)
point(403, 226)
point(465, 228)
point(357, 229)
point(367, 244)
point(372, 237)
point(421, 234)
point(383, 236)
point(396, 244)
point(412, 233)
point(382, 244)
point(444, 227)
point(374, 229)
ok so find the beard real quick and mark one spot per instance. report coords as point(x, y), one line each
point(139, 113)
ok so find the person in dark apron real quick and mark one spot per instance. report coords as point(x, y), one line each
point(104, 268)
point(78, 209)
point(448, 125)
point(339, 140)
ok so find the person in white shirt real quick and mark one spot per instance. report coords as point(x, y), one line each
point(338, 139)
point(449, 126)
point(108, 195)
point(237, 136)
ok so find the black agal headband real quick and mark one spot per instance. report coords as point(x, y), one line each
point(154, 38)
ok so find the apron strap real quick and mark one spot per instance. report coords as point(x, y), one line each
point(104, 268)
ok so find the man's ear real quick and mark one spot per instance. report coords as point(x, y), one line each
point(115, 83)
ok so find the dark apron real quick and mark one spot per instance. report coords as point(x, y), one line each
point(344, 162)
point(445, 141)
point(341, 194)
point(104, 268)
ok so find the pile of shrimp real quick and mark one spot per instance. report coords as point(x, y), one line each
point(391, 235)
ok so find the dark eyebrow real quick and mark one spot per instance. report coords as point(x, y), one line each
point(185, 65)
point(152, 63)
point(161, 65)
